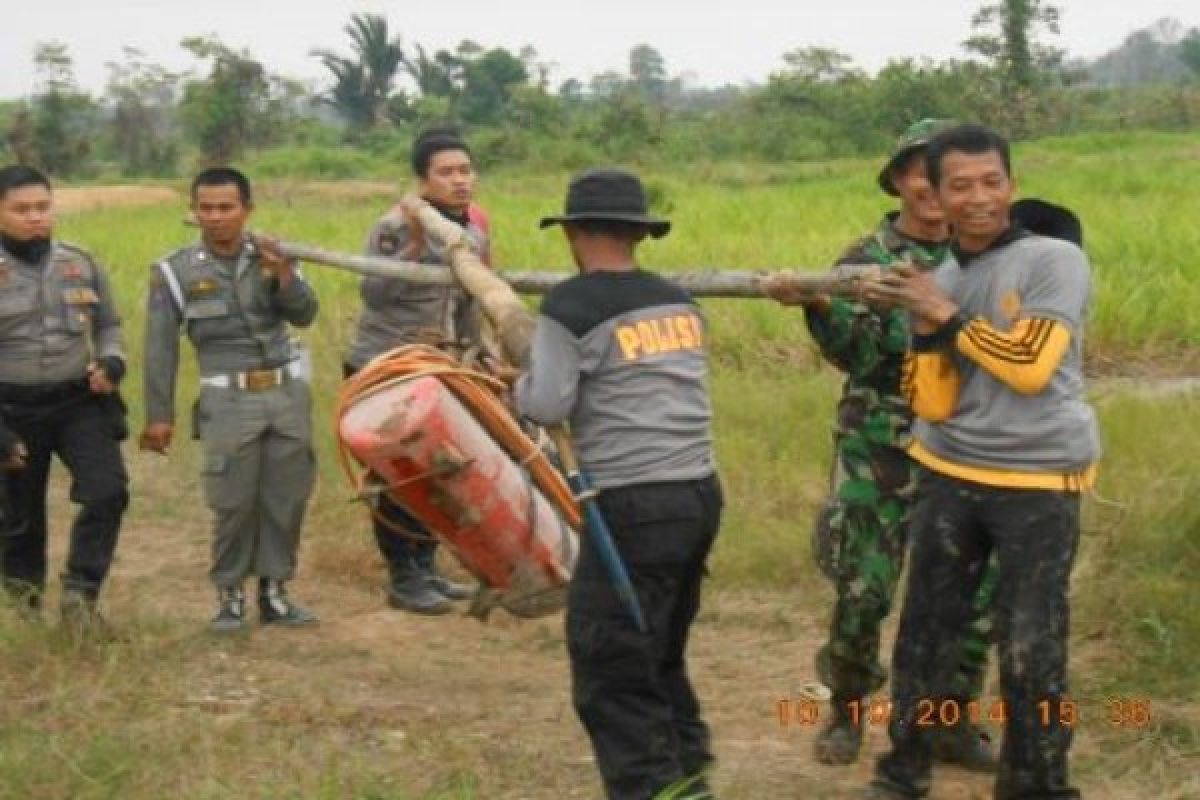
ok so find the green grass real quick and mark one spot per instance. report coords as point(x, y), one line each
point(109, 722)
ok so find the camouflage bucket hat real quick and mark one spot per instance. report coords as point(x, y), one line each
point(915, 138)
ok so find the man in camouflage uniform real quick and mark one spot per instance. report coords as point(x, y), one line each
point(61, 358)
point(235, 299)
point(396, 312)
point(861, 534)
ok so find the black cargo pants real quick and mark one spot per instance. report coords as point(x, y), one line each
point(84, 431)
point(1034, 533)
point(631, 689)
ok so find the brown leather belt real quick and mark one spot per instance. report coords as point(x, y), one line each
point(255, 380)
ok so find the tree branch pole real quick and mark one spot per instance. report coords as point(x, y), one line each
point(703, 282)
point(497, 292)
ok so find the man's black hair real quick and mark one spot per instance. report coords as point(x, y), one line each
point(224, 176)
point(971, 139)
point(617, 228)
point(432, 141)
point(18, 176)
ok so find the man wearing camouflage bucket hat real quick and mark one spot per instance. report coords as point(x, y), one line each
point(860, 536)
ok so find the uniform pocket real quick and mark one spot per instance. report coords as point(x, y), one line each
point(19, 299)
point(80, 304)
point(215, 473)
point(206, 308)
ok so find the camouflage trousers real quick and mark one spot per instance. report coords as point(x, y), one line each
point(860, 541)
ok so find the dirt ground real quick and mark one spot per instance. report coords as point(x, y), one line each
point(449, 696)
point(90, 198)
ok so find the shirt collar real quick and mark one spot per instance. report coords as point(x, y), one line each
point(1010, 235)
point(30, 251)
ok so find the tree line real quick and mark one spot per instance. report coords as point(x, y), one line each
point(152, 122)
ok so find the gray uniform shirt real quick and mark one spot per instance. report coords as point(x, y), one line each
point(235, 316)
point(397, 312)
point(55, 317)
point(994, 426)
point(623, 357)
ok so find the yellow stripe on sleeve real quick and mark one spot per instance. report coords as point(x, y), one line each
point(1024, 358)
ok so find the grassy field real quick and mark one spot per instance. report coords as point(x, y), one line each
point(380, 705)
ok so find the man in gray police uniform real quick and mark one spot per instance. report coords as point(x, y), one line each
point(621, 354)
point(61, 358)
point(235, 300)
point(395, 313)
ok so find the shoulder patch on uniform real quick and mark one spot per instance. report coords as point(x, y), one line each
point(80, 296)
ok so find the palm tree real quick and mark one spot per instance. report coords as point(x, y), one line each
point(429, 73)
point(363, 84)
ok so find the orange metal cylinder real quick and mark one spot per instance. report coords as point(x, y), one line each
point(438, 461)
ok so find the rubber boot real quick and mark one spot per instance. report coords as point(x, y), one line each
point(440, 583)
point(409, 589)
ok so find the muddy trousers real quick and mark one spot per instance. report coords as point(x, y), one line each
point(631, 689)
point(84, 434)
point(1033, 534)
point(867, 520)
point(259, 469)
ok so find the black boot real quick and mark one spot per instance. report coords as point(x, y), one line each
point(276, 608)
point(838, 742)
point(439, 582)
point(231, 611)
point(409, 589)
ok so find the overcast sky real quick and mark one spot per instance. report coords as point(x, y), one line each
point(713, 43)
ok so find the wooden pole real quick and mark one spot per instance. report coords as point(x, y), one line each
point(704, 282)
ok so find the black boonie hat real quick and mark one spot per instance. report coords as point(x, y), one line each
point(1046, 219)
point(608, 193)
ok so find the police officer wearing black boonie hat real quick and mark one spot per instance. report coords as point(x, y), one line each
point(620, 354)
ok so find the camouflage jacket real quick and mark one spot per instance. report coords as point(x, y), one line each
point(869, 345)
